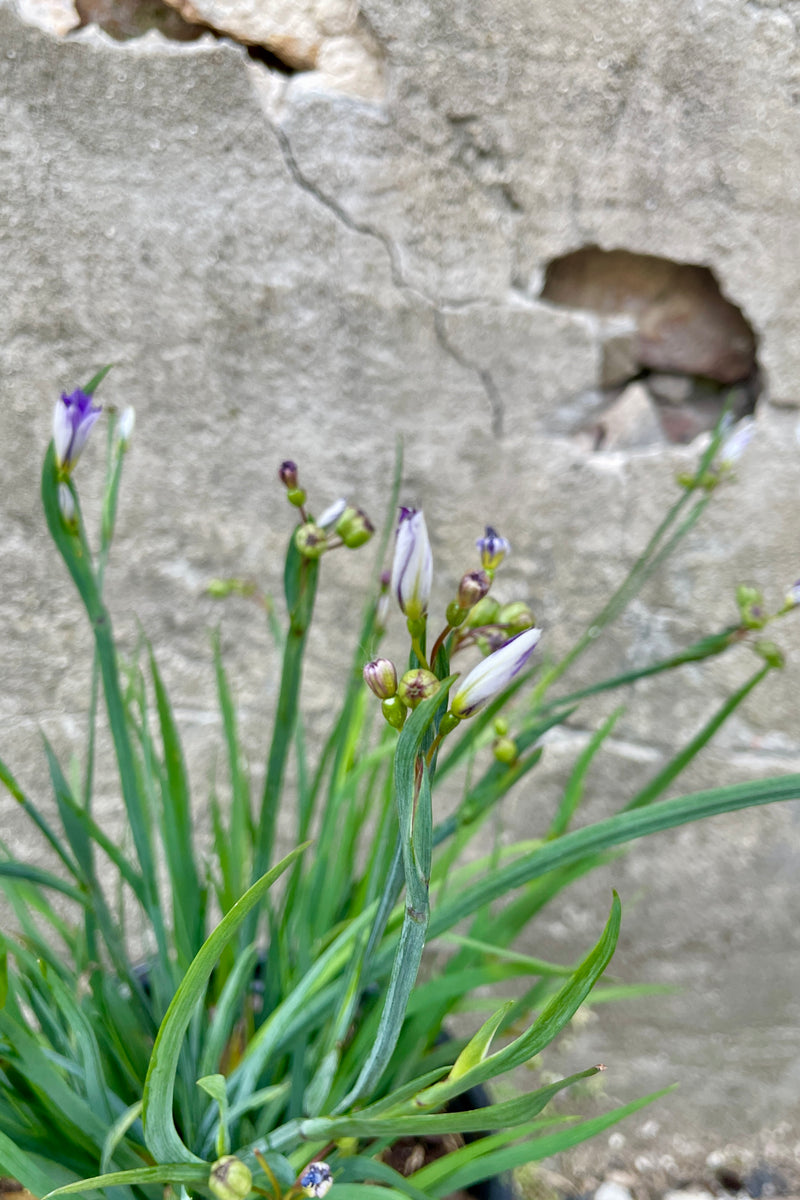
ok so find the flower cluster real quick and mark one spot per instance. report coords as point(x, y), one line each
point(505, 633)
point(339, 525)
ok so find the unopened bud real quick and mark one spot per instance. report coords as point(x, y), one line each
point(751, 606)
point(472, 588)
point(416, 686)
point(310, 540)
point(516, 617)
point(394, 711)
point(316, 1179)
point(380, 677)
point(354, 528)
point(230, 1179)
point(287, 473)
point(484, 613)
point(505, 751)
point(793, 595)
point(492, 549)
point(66, 506)
point(123, 430)
point(771, 653)
point(296, 496)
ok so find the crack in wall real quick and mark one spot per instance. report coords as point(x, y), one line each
point(364, 229)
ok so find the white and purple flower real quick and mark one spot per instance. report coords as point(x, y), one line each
point(496, 671)
point(412, 569)
point(492, 549)
point(73, 419)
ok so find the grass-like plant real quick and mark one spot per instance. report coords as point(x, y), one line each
point(276, 1040)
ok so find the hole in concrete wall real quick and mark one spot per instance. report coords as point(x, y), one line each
point(675, 349)
point(127, 19)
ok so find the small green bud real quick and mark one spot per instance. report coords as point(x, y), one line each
point(230, 1179)
point(296, 496)
point(354, 528)
point(505, 750)
point(501, 726)
point(483, 613)
point(751, 606)
point(394, 711)
point(310, 540)
point(448, 723)
point(380, 677)
point(771, 653)
point(516, 617)
point(416, 686)
point(455, 614)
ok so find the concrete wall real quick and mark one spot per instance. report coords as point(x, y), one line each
point(307, 265)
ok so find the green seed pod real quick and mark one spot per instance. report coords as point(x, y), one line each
point(230, 1179)
point(416, 686)
point(310, 540)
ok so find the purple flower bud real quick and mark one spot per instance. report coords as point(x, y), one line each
point(287, 473)
point(793, 594)
point(735, 443)
point(316, 1179)
point(73, 418)
point(472, 588)
point(380, 677)
point(412, 569)
point(492, 549)
point(493, 674)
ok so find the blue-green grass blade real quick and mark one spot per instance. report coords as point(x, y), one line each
point(505, 1115)
point(573, 791)
point(559, 1010)
point(613, 831)
point(74, 550)
point(350, 1170)
point(14, 870)
point(174, 1173)
point(652, 790)
point(227, 1009)
point(19, 1165)
point(160, 1132)
point(94, 383)
point(117, 1131)
point(535, 966)
point(240, 827)
point(8, 781)
point(300, 586)
point(188, 894)
point(475, 1163)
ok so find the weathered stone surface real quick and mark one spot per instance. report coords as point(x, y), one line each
point(630, 423)
point(278, 271)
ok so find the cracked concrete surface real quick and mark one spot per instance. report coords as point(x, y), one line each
point(281, 271)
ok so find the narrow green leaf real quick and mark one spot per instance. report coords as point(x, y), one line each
point(573, 792)
point(160, 1132)
point(188, 895)
point(477, 1047)
point(15, 870)
point(21, 1166)
point(174, 1173)
point(447, 1174)
point(94, 383)
point(552, 1020)
point(673, 768)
